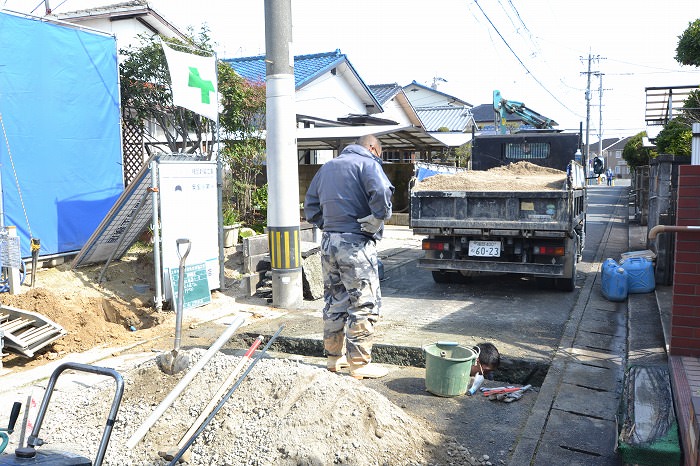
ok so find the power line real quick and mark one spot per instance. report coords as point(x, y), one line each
point(520, 61)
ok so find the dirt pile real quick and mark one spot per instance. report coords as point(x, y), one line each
point(284, 413)
point(520, 176)
point(93, 315)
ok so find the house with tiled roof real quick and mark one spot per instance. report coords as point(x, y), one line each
point(395, 104)
point(126, 20)
point(485, 118)
point(327, 87)
point(334, 107)
point(445, 117)
point(421, 95)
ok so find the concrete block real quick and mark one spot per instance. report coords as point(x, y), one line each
point(312, 276)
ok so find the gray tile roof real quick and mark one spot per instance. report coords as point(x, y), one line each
point(385, 92)
point(454, 118)
point(484, 113)
point(456, 100)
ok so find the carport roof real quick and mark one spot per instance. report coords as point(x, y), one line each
point(392, 136)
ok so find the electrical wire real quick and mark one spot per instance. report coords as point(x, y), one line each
point(521, 62)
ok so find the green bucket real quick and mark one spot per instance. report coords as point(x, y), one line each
point(447, 368)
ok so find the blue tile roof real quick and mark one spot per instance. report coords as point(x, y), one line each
point(306, 67)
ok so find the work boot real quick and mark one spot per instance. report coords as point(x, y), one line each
point(367, 371)
point(336, 363)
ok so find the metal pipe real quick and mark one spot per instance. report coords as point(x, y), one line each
point(222, 390)
point(155, 222)
point(695, 145)
point(671, 228)
point(223, 401)
point(186, 379)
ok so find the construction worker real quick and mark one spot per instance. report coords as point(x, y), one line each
point(349, 199)
point(488, 361)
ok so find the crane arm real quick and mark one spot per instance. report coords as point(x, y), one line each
point(504, 107)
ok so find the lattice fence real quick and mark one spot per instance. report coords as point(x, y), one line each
point(133, 151)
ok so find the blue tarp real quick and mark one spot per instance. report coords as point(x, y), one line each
point(60, 154)
point(425, 170)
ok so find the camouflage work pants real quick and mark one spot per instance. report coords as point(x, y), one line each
point(351, 292)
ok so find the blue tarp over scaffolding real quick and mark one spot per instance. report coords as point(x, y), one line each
point(60, 140)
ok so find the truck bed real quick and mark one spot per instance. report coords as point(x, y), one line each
point(521, 210)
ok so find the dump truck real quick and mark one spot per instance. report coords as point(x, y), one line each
point(525, 215)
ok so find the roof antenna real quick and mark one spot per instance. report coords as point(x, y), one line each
point(436, 80)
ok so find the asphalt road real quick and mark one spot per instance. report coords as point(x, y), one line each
point(525, 322)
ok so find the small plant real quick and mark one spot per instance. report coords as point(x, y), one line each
point(231, 216)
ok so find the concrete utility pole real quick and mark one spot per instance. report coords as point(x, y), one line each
point(586, 153)
point(600, 117)
point(282, 168)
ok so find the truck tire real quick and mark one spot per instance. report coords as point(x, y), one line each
point(440, 276)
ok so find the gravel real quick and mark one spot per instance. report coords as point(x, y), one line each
point(285, 412)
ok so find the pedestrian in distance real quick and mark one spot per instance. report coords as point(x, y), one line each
point(349, 199)
point(609, 176)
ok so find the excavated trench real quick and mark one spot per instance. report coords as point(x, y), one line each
point(513, 371)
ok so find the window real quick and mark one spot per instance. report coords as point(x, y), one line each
point(618, 154)
point(527, 150)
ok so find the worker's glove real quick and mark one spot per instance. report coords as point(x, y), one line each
point(370, 224)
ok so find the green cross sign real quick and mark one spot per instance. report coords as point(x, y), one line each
point(196, 81)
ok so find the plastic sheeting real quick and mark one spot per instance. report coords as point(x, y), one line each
point(60, 153)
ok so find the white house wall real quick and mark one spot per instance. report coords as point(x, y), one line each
point(126, 31)
point(329, 96)
point(420, 97)
point(395, 112)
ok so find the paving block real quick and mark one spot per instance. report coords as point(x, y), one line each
point(574, 439)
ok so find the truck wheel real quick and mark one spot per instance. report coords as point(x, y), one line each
point(440, 276)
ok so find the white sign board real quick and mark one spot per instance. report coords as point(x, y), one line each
point(189, 210)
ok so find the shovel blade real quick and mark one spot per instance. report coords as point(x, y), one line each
point(173, 362)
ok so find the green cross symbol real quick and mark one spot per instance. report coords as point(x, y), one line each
point(196, 81)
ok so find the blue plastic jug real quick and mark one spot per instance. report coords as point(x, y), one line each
point(614, 284)
point(640, 274)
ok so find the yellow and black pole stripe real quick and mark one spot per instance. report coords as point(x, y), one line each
point(285, 247)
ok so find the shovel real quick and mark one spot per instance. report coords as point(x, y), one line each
point(174, 361)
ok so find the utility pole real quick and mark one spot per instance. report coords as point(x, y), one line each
point(586, 154)
point(282, 165)
point(600, 116)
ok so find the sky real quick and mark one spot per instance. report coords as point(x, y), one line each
point(534, 51)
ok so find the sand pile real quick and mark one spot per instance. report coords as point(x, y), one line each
point(520, 176)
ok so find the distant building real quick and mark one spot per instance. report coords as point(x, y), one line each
point(612, 155)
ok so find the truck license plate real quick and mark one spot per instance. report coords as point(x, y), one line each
point(485, 248)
